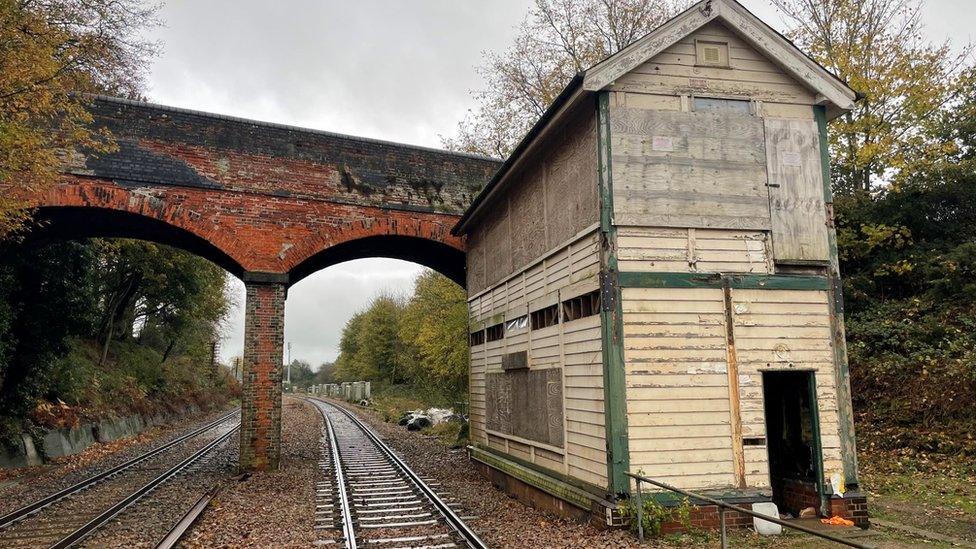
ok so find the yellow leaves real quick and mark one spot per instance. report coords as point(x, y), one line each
point(876, 47)
point(881, 235)
point(48, 52)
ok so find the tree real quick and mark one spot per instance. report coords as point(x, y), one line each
point(556, 40)
point(104, 325)
point(878, 48)
point(301, 373)
point(158, 294)
point(52, 52)
point(46, 297)
point(370, 348)
point(435, 323)
point(325, 373)
point(908, 253)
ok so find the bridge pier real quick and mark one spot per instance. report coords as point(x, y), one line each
point(264, 334)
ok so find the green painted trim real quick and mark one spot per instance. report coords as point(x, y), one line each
point(817, 441)
point(716, 280)
point(611, 316)
point(820, 114)
point(604, 165)
point(845, 408)
point(671, 499)
point(545, 482)
point(597, 492)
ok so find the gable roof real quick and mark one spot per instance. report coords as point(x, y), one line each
point(831, 91)
point(777, 48)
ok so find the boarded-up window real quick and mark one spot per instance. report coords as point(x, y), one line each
point(545, 317)
point(526, 404)
point(688, 169)
point(705, 104)
point(496, 332)
point(796, 192)
point(477, 338)
point(582, 306)
point(515, 361)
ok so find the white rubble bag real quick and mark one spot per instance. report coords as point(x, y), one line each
point(764, 527)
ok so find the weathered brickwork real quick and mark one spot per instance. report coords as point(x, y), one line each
point(261, 233)
point(264, 334)
point(269, 198)
point(269, 203)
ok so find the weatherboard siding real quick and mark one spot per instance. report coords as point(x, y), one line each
point(751, 74)
point(574, 347)
point(676, 354)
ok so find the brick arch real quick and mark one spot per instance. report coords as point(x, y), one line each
point(269, 203)
point(94, 209)
point(441, 257)
point(427, 242)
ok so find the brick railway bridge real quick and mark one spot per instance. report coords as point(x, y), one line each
point(269, 203)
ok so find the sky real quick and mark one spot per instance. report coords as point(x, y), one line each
point(400, 70)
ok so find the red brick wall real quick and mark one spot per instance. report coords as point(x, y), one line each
point(853, 507)
point(270, 198)
point(264, 332)
point(796, 495)
point(257, 232)
point(269, 203)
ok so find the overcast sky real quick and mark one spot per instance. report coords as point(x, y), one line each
point(390, 69)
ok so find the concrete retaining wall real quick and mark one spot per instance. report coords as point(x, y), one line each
point(55, 443)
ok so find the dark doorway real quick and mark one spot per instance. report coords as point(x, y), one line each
point(793, 439)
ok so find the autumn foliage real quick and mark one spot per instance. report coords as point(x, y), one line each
point(52, 53)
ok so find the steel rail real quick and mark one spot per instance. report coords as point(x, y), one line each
point(107, 515)
point(176, 532)
point(32, 508)
point(348, 530)
point(453, 520)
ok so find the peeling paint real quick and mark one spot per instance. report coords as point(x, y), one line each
point(706, 368)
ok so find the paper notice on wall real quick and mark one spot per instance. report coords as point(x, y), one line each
point(790, 158)
point(662, 143)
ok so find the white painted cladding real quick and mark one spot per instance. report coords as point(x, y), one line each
point(575, 347)
point(678, 401)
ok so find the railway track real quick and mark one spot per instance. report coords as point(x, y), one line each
point(70, 516)
point(370, 498)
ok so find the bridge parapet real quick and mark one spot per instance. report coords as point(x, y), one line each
point(161, 145)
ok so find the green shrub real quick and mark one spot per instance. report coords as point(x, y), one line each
point(655, 515)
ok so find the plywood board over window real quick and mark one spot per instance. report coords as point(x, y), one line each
point(527, 404)
point(796, 196)
point(688, 169)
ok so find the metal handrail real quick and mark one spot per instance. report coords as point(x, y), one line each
point(722, 506)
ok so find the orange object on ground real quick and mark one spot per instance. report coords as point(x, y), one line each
point(837, 521)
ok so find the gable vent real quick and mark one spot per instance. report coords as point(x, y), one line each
point(712, 54)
